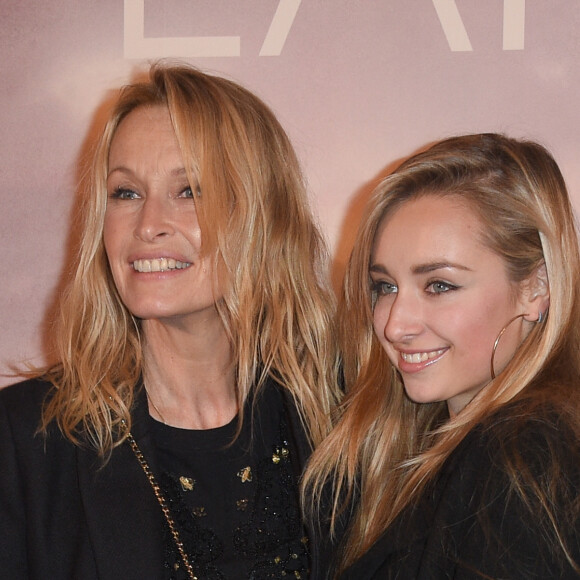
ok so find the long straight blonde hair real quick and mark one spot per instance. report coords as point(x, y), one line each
point(267, 251)
point(386, 448)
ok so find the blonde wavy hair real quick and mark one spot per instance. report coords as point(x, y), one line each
point(256, 226)
point(385, 448)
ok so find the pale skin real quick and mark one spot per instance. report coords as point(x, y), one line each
point(153, 242)
point(442, 298)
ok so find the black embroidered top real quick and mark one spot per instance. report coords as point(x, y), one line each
point(235, 504)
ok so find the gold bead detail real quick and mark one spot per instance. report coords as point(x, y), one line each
point(245, 474)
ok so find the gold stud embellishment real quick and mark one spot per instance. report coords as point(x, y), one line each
point(187, 483)
point(199, 512)
point(279, 454)
point(245, 474)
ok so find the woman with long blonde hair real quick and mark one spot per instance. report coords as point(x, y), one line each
point(196, 367)
point(456, 452)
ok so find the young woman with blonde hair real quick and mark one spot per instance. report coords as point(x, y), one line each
point(456, 452)
point(196, 368)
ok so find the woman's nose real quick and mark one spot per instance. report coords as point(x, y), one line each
point(155, 219)
point(404, 318)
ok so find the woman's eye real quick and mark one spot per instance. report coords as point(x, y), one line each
point(440, 287)
point(186, 193)
point(123, 193)
point(383, 288)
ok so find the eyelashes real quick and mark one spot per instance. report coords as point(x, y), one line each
point(126, 193)
point(433, 287)
point(187, 193)
point(441, 287)
point(123, 193)
point(382, 288)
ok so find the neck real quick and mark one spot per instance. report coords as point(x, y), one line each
point(189, 375)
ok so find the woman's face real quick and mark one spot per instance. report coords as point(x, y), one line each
point(442, 298)
point(151, 232)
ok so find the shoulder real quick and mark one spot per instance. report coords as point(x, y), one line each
point(535, 438)
point(512, 485)
point(21, 405)
point(517, 451)
point(517, 457)
point(26, 388)
point(26, 393)
point(26, 397)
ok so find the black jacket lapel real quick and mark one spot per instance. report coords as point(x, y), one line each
point(124, 519)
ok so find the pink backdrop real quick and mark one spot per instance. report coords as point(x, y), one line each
point(359, 84)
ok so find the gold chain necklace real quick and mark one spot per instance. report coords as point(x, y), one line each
point(163, 504)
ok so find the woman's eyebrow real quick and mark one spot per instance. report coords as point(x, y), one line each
point(421, 268)
point(432, 266)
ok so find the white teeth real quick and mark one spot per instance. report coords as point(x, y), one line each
point(159, 265)
point(421, 356)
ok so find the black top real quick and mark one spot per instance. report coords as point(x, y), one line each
point(67, 515)
point(471, 524)
point(234, 500)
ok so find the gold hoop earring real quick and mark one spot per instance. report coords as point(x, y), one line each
point(497, 341)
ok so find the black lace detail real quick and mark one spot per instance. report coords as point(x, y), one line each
point(203, 547)
point(274, 535)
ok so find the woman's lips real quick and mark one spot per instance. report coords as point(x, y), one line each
point(416, 361)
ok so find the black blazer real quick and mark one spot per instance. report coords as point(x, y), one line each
point(469, 526)
point(65, 516)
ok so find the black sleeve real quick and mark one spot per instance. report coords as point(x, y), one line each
point(12, 520)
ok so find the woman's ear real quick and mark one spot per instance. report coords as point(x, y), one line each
point(535, 295)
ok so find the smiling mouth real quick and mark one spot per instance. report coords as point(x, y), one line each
point(419, 357)
point(159, 265)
